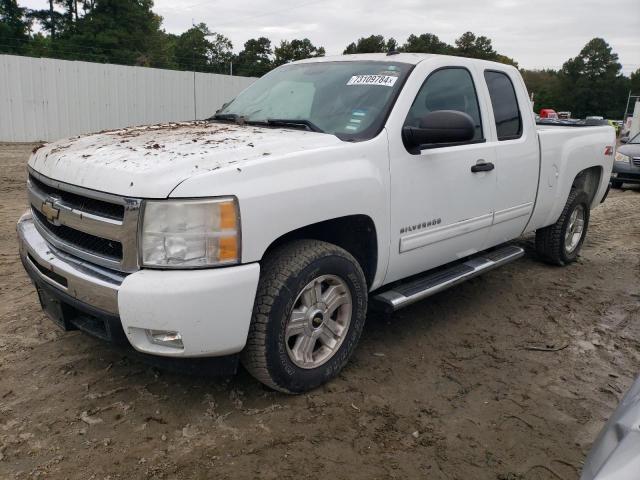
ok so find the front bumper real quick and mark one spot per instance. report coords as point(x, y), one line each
point(211, 308)
point(625, 172)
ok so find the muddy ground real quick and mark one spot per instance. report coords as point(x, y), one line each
point(446, 389)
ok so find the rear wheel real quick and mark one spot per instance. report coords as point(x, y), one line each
point(309, 312)
point(561, 242)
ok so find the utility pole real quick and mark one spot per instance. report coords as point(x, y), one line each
point(626, 110)
point(193, 67)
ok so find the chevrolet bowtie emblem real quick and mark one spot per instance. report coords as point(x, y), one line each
point(49, 211)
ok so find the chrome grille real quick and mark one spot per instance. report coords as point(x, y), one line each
point(98, 227)
point(96, 245)
point(85, 204)
point(636, 161)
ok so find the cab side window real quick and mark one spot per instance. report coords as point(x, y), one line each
point(505, 105)
point(449, 88)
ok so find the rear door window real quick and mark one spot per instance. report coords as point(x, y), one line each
point(505, 105)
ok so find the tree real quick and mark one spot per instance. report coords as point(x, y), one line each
point(49, 19)
point(545, 87)
point(255, 59)
point(591, 82)
point(507, 60)
point(426, 43)
point(13, 27)
point(116, 31)
point(370, 44)
point(194, 50)
point(54, 21)
point(296, 50)
point(220, 50)
point(468, 45)
point(392, 45)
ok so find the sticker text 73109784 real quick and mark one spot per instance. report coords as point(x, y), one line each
point(385, 80)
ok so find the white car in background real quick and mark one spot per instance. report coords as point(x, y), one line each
point(615, 455)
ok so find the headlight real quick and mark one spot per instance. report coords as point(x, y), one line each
point(190, 233)
point(621, 157)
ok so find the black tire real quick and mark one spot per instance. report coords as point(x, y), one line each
point(284, 275)
point(550, 241)
point(616, 184)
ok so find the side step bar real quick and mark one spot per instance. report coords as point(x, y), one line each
point(422, 287)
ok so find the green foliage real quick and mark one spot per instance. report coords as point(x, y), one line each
point(426, 43)
point(129, 32)
point(468, 45)
point(370, 44)
point(54, 21)
point(545, 86)
point(391, 45)
point(114, 31)
point(13, 27)
point(591, 83)
point(255, 59)
point(296, 50)
point(199, 48)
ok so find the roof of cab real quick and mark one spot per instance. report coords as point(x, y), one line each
point(411, 58)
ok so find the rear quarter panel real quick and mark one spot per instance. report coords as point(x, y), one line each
point(565, 152)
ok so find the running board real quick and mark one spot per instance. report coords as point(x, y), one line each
point(422, 287)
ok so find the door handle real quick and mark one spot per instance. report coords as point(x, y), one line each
point(482, 166)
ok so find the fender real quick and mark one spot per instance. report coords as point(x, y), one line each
point(295, 190)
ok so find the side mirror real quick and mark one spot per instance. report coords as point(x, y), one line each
point(440, 127)
point(624, 139)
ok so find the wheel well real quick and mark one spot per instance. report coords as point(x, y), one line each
point(355, 233)
point(588, 180)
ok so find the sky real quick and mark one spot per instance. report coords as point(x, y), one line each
point(536, 33)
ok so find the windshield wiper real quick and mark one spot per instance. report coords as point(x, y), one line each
point(232, 117)
point(273, 122)
point(285, 122)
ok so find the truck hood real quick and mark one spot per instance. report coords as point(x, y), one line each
point(149, 161)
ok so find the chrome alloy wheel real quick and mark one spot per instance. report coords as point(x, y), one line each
point(319, 321)
point(575, 229)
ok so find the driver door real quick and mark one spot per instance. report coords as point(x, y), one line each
point(441, 207)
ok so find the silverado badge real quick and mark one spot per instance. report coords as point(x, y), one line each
point(420, 226)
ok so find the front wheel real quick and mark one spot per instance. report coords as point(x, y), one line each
point(308, 316)
point(561, 242)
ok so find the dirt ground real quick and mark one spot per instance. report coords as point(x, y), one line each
point(446, 389)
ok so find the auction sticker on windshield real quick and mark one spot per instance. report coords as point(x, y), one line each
point(386, 80)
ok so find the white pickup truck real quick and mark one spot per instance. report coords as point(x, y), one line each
point(263, 234)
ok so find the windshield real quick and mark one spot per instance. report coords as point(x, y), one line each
point(635, 140)
point(347, 99)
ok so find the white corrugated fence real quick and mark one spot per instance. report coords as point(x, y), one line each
point(47, 99)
